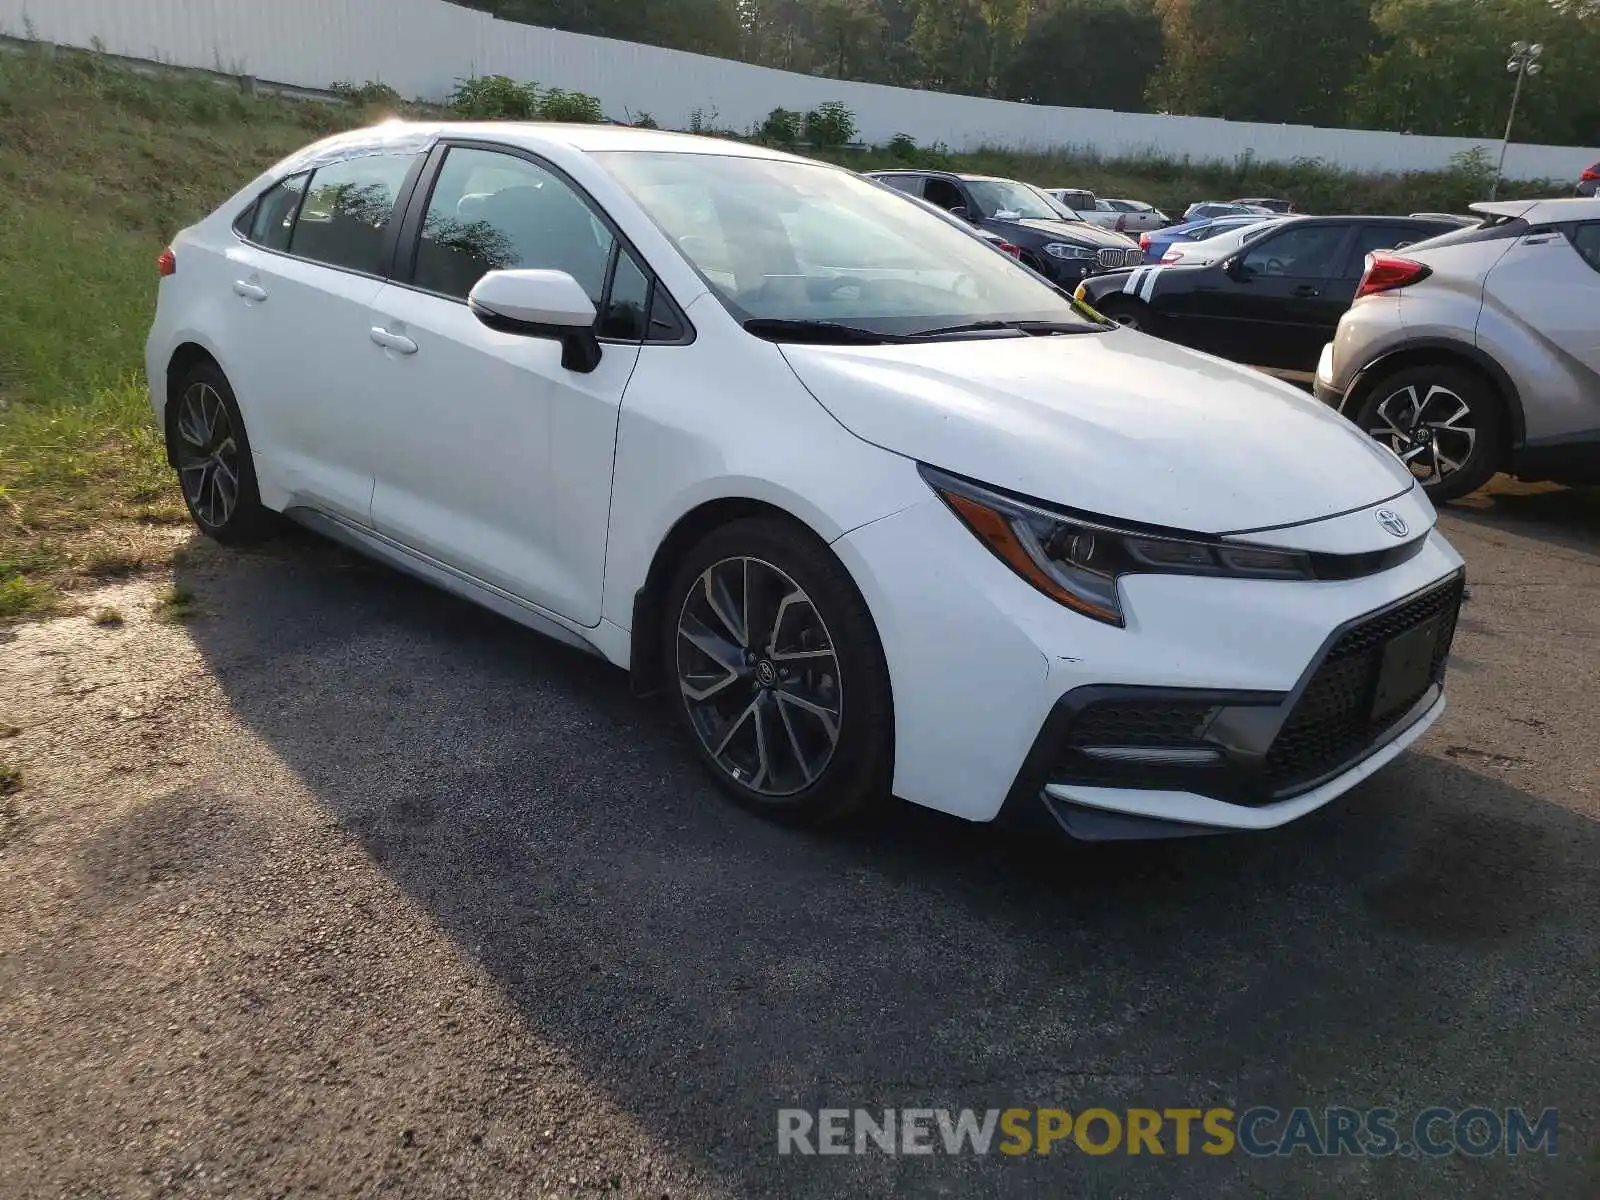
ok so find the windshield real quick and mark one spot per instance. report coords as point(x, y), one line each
point(794, 241)
point(1010, 201)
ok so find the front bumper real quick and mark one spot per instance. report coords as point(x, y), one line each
point(1115, 763)
point(986, 673)
point(1322, 385)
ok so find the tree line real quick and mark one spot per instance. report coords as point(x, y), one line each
point(1418, 66)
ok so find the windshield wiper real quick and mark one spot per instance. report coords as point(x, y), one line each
point(1031, 328)
point(783, 329)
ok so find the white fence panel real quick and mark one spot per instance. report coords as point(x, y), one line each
point(421, 47)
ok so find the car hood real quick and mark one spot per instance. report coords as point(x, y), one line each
point(1078, 232)
point(1118, 424)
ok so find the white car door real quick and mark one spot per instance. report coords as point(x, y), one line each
point(309, 261)
point(488, 455)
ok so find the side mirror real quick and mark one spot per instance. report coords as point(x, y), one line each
point(1235, 269)
point(544, 304)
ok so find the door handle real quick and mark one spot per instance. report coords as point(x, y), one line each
point(393, 341)
point(250, 291)
point(1307, 292)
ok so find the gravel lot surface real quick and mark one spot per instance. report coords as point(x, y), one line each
point(342, 887)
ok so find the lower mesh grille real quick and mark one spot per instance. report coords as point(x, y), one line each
point(1332, 722)
point(1120, 723)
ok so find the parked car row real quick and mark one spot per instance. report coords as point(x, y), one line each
point(1049, 237)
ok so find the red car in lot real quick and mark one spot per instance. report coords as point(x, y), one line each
point(1589, 181)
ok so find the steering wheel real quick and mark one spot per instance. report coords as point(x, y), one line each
point(1276, 266)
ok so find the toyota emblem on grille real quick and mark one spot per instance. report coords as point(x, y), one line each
point(1393, 522)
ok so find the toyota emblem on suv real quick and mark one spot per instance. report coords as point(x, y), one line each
point(1393, 522)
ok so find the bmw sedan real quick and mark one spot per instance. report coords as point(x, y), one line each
point(875, 508)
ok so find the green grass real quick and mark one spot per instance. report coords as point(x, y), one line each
point(176, 603)
point(100, 166)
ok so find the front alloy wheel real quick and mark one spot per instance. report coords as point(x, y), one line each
point(777, 673)
point(759, 676)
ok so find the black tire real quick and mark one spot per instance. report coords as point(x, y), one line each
point(1445, 421)
point(1130, 314)
point(208, 445)
point(819, 653)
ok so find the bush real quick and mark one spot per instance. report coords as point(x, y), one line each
point(580, 107)
point(645, 121)
point(495, 98)
point(781, 128)
point(903, 148)
point(830, 124)
point(363, 94)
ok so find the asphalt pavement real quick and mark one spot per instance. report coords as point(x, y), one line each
point(341, 886)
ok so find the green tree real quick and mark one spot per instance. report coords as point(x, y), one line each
point(1088, 53)
point(844, 31)
point(1261, 60)
point(1440, 67)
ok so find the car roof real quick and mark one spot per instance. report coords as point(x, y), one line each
point(538, 135)
point(1540, 212)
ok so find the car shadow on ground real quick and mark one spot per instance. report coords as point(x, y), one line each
point(1418, 943)
point(1567, 517)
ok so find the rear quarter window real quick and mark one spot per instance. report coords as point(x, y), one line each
point(347, 209)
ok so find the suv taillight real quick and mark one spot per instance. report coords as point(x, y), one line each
point(1008, 248)
point(1144, 241)
point(1592, 172)
point(167, 262)
point(1385, 273)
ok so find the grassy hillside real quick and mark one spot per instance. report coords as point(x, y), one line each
point(100, 165)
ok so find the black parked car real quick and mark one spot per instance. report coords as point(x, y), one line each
point(1061, 247)
point(1273, 304)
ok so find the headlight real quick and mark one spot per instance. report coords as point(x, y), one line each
point(1065, 250)
point(1078, 560)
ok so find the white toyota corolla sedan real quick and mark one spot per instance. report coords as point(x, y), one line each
point(878, 509)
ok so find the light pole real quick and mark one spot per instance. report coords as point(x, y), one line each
point(1524, 61)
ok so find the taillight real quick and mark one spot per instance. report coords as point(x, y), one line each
point(1014, 251)
point(167, 262)
point(1144, 241)
point(1591, 172)
point(1171, 256)
point(1385, 273)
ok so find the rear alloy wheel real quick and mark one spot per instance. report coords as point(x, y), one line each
point(206, 438)
point(1443, 423)
point(780, 679)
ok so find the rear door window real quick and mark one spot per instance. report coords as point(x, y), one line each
point(344, 220)
point(911, 185)
point(1586, 241)
point(1372, 238)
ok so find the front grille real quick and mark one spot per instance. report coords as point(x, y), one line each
point(1112, 258)
point(1332, 723)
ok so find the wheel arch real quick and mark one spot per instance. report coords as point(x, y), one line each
point(184, 358)
point(644, 659)
point(1433, 351)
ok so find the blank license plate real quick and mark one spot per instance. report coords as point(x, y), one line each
point(1407, 669)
